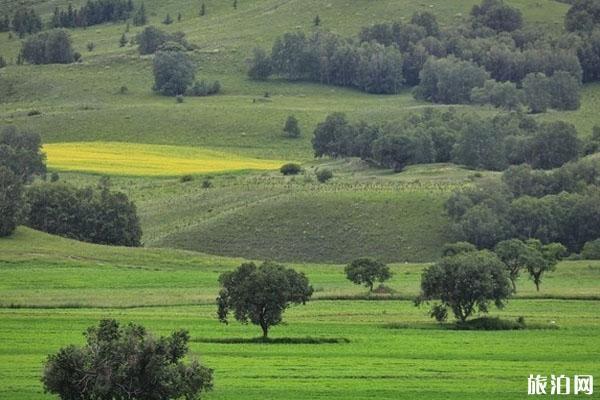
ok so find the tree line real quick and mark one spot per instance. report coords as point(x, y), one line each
point(492, 143)
point(508, 63)
point(93, 12)
point(560, 206)
point(92, 214)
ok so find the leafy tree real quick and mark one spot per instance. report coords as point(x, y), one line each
point(259, 66)
point(554, 144)
point(514, 253)
point(126, 363)
point(452, 249)
point(394, 151)
point(583, 15)
point(537, 92)
point(367, 271)
point(498, 16)
point(564, 91)
point(11, 188)
point(591, 250)
point(52, 47)
point(499, 94)
point(449, 80)
point(291, 128)
point(329, 134)
point(428, 21)
point(21, 152)
point(379, 69)
point(480, 145)
point(174, 72)
point(483, 227)
point(466, 283)
point(261, 294)
point(543, 258)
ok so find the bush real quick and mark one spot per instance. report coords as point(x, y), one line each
point(151, 39)
point(203, 88)
point(207, 184)
point(186, 178)
point(126, 362)
point(591, 250)
point(323, 175)
point(290, 169)
point(179, 99)
point(174, 72)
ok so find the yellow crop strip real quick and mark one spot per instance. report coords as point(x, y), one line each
point(117, 158)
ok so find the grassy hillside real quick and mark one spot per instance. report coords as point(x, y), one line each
point(361, 211)
point(390, 347)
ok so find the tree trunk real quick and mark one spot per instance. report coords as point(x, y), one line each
point(265, 330)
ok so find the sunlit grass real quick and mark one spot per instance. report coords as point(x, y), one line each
point(146, 160)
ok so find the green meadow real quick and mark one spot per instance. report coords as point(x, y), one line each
point(344, 343)
point(383, 347)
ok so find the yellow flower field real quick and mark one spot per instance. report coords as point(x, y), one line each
point(118, 158)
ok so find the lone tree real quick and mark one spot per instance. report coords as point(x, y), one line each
point(367, 271)
point(465, 283)
point(542, 258)
point(291, 128)
point(174, 72)
point(261, 294)
point(126, 363)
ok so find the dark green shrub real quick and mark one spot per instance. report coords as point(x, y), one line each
point(186, 178)
point(591, 250)
point(290, 169)
point(491, 324)
point(323, 175)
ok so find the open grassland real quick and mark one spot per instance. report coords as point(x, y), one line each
point(416, 360)
point(39, 270)
point(387, 349)
point(114, 158)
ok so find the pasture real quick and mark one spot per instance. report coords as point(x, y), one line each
point(54, 288)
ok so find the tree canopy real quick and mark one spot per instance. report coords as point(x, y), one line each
point(261, 294)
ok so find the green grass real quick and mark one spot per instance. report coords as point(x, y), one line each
point(39, 270)
point(378, 363)
point(327, 349)
point(362, 210)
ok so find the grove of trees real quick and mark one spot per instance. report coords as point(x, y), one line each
point(49, 47)
point(472, 62)
point(96, 215)
point(93, 12)
point(492, 143)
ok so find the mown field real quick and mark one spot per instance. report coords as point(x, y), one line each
point(387, 349)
